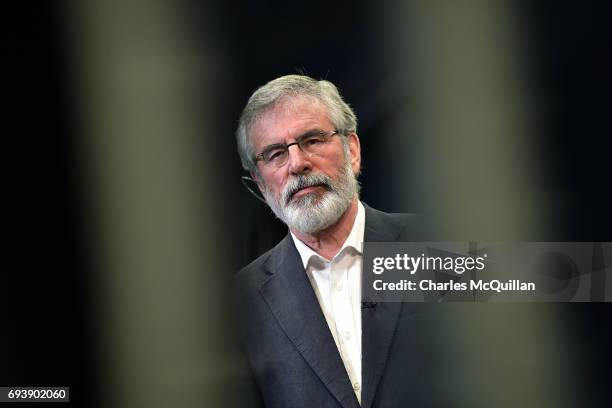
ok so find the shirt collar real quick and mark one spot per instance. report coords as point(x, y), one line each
point(354, 240)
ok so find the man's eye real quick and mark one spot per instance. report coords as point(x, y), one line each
point(274, 154)
point(313, 141)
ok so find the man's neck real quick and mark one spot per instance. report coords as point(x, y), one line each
point(328, 242)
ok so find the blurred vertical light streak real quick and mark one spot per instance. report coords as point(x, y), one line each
point(149, 181)
point(474, 147)
point(465, 134)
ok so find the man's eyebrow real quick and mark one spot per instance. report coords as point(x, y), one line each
point(308, 133)
point(273, 146)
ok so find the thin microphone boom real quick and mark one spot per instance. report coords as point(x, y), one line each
point(245, 180)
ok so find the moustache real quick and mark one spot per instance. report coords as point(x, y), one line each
point(304, 181)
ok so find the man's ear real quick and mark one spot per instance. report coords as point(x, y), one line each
point(355, 151)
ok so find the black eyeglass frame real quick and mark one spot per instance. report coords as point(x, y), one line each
point(260, 156)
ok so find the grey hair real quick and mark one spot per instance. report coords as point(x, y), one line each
point(280, 89)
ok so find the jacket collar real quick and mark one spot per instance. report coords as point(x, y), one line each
point(291, 299)
point(378, 323)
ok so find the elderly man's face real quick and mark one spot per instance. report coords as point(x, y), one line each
point(318, 187)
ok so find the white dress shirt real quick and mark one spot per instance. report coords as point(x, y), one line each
point(337, 284)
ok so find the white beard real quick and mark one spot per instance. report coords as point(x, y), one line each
point(315, 211)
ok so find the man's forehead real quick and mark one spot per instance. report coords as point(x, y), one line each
point(290, 116)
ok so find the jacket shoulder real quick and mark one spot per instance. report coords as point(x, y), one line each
point(255, 272)
point(253, 275)
point(384, 226)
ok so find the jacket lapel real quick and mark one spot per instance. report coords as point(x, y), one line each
point(293, 302)
point(378, 323)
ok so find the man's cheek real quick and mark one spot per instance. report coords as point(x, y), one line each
point(276, 194)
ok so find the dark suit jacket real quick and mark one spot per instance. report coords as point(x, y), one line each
point(289, 345)
point(413, 354)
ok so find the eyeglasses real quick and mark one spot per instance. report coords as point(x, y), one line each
point(310, 143)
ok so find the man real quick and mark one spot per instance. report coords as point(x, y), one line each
point(309, 338)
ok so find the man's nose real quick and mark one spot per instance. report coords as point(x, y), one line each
point(298, 161)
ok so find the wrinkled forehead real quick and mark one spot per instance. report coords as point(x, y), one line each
point(287, 118)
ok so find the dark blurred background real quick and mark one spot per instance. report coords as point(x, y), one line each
point(126, 217)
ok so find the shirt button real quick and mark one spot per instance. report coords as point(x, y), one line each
point(339, 287)
point(347, 335)
point(356, 386)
